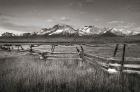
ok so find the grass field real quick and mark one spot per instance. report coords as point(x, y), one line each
point(23, 72)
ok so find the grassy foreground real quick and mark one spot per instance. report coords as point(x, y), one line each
point(20, 72)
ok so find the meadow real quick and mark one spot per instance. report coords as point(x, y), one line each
point(26, 72)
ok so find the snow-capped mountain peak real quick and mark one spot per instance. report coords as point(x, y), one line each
point(64, 29)
point(121, 32)
point(89, 30)
point(59, 29)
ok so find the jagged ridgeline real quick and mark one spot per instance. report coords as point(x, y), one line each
point(59, 30)
point(68, 31)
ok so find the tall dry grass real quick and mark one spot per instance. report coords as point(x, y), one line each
point(27, 73)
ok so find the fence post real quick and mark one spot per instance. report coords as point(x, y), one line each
point(122, 67)
point(77, 50)
point(21, 47)
point(82, 53)
point(52, 49)
point(31, 48)
point(116, 49)
point(9, 49)
point(123, 58)
point(18, 48)
point(44, 56)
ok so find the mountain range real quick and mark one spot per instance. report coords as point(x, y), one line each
point(58, 29)
point(62, 29)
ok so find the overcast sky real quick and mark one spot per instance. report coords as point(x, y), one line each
point(32, 15)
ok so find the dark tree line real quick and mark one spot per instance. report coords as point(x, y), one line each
point(8, 34)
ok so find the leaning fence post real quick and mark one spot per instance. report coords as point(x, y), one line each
point(21, 47)
point(9, 49)
point(52, 49)
point(31, 48)
point(82, 53)
point(44, 56)
point(77, 50)
point(123, 58)
point(122, 67)
point(18, 48)
point(116, 49)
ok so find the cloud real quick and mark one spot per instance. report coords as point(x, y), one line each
point(7, 26)
point(81, 3)
point(7, 22)
point(89, 1)
point(64, 18)
point(82, 12)
point(129, 27)
point(84, 3)
point(97, 20)
point(12, 26)
point(50, 20)
point(121, 24)
point(115, 22)
point(3, 30)
point(58, 19)
point(134, 6)
point(137, 29)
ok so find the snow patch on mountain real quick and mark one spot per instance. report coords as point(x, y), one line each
point(86, 30)
point(59, 29)
point(89, 30)
point(121, 32)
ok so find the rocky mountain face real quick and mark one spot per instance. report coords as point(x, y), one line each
point(108, 34)
point(89, 30)
point(59, 29)
point(62, 29)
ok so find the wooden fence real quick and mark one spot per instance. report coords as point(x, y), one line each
point(120, 65)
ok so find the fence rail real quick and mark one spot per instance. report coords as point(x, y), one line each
point(107, 63)
point(103, 62)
